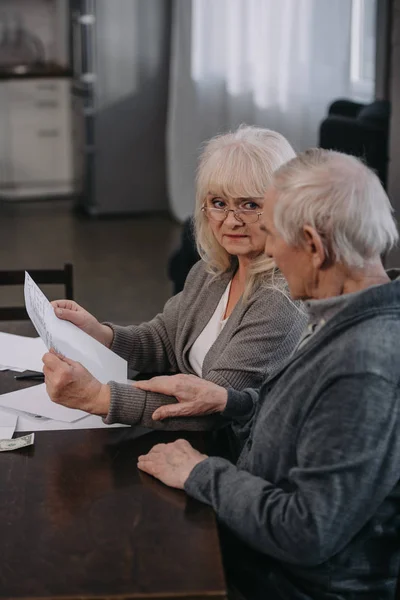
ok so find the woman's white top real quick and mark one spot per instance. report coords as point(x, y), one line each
point(209, 334)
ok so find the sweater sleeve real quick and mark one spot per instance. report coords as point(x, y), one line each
point(347, 463)
point(150, 347)
point(135, 407)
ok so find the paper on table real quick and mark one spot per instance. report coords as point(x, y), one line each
point(8, 423)
point(34, 400)
point(29, 423)
point(69, 340)
point(21, 353)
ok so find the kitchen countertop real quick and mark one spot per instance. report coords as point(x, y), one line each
point(30, 71)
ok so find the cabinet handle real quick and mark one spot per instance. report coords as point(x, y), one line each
point(47, 104)
point(48, 133)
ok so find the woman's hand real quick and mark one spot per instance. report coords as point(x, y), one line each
point(171, 463)
point(195, 396)
point(68, 310)
point(70, 384)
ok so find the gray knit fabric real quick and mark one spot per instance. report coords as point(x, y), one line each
point(314, 498)
point(257, 338)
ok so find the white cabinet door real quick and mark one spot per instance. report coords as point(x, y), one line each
point(40, 131)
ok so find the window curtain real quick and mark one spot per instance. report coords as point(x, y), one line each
point(270, 63)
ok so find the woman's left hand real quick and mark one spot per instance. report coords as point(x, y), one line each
point(70, 384)
point(171, 463)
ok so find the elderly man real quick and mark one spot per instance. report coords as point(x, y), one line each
point(311, 509)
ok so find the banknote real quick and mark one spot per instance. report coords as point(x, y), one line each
point(21, 442)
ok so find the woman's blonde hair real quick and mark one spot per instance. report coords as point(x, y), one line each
point(238, 164)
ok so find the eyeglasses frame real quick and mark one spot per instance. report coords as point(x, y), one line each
point(235, 214)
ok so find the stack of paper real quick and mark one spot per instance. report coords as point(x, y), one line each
point(8, 423)
point(31, 409)
point(20, 353)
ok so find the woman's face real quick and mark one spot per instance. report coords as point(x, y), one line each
point(235, 236)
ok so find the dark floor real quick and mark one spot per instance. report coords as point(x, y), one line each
point(119, 263)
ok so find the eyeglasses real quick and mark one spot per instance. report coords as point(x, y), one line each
point(243, 215)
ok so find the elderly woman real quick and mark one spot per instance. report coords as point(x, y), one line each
point(311, 508)
point(211, 329)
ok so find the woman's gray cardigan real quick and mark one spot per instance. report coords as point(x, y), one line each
point(257, 338)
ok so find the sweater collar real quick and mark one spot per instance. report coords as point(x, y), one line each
point(325, 309)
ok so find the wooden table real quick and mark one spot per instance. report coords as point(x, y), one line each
point(79, 520)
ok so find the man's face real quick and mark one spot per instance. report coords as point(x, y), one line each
point(294, 263)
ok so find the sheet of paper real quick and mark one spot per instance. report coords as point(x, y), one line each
point(29, 423)
point(21, 353)
point(35, 401)
point(69, 340)
point(8, 423)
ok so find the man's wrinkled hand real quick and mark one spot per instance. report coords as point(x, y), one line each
point(70, 384)
point(171, 463)
point(195, 396)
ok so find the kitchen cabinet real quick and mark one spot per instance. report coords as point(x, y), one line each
point(37, 150)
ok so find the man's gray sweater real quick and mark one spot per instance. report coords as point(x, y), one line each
point(314, 499)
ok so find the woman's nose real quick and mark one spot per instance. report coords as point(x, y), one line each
point(232, 220)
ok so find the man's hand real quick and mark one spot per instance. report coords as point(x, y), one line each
point(70, 384)
point(68, 310)
point(195, 396)
point(171, 463)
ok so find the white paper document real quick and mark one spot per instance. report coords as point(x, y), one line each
point(25, 422)
point(30, 423)
point(8, 423)
point(69, 340)
point(35, 401)
point(21, 353)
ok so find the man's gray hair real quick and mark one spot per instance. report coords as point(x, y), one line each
point(342, 199)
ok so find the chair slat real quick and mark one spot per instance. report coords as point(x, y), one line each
point(13, 313)
point(41, 277)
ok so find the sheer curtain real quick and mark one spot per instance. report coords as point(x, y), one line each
point(271, 63)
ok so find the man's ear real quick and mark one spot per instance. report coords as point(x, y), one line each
point(314, 246)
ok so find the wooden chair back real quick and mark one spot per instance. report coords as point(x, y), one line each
point(41, 277)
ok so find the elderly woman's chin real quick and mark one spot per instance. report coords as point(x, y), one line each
point(241, 246)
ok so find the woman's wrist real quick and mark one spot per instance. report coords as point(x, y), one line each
point(101, 404)
point(107, 335)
